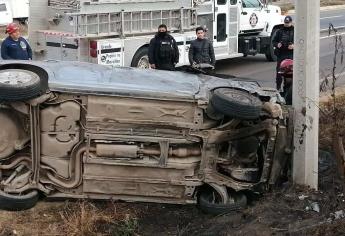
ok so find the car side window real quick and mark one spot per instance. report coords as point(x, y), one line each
point(251, 4)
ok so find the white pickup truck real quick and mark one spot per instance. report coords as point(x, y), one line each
point(13, 9)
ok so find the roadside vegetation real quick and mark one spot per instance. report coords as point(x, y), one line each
point(81, 218)
point(286, 5)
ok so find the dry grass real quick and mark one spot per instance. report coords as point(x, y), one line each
point(81, 218)
point(85, 218)
point(331, 2)
point(327, 123)
point(287, 5)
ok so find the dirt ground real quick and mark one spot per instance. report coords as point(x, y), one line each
point(287, 211)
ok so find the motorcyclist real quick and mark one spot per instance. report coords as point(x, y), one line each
point(286, 72)
point(283, 42)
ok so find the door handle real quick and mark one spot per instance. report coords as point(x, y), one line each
point(244, 13)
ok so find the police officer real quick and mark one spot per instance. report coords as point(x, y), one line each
point(201, 49)
point(284, 45)
point(163, 50)
point(15, 47)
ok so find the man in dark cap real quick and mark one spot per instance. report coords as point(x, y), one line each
point(283, 42)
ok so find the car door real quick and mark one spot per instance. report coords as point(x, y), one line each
point(252, 15)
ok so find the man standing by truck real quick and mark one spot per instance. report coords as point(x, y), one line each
point(15, 47)
point(201, 49)
point(163, 50)
point(284, 45)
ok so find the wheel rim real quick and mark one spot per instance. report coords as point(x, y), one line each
point(144, 62)
point(215, 198)
point(16, 77)
point(238, 96)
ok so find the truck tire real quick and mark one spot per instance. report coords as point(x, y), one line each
point(141, 58)
point(270, 56)
point(208, 203)
point(20, 85)
point(236, 103)
point(11, 202)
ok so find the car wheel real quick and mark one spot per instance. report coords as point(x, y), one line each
point(20, 84)
point(236, 103)
point(141, 58)
point(270, 56)
point(210, 202)
point(11, 202)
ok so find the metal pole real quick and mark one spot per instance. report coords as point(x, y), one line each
point(306, 92)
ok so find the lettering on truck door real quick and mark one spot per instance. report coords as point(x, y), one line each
point(110, 53)
point(252, 15)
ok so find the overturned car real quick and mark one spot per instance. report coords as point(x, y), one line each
point(81, 130)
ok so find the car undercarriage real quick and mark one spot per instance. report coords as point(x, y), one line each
point(166, 145)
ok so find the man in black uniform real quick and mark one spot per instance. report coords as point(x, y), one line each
point(284, 45)
point(201, 49)
point(163, 50)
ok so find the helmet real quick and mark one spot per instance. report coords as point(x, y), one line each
point(286, 68)
point(11, 28)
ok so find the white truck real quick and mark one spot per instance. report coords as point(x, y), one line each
point(5, 13)
point(13, 10)
point(117, 32)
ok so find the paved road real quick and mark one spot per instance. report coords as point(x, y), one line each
point(259, 69)
point(336, 17)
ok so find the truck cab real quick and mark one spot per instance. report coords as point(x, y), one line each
point(240, 27)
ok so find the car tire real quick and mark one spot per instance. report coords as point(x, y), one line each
point(236, 103)
point(20, 85)
point(141, 58)
point(11, 202)
point(270, 56)
point(207, 205)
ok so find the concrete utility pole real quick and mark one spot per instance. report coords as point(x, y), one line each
point(38, 18)
point(306, 92)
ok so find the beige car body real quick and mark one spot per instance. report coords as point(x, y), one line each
point(155, 144)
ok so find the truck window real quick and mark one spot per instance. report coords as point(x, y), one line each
point(221, 27)
point(221, 2)
point(251, 4)
point(3, 7)
point(233, 2)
